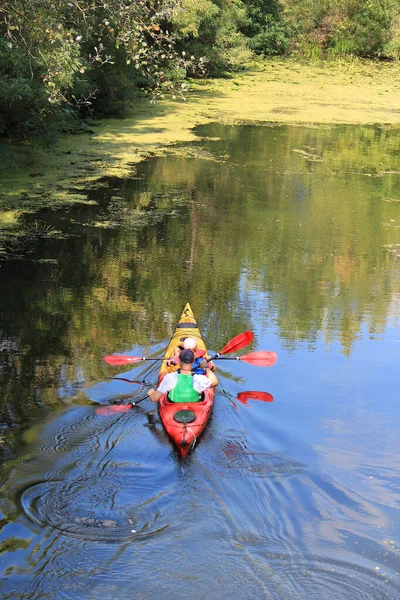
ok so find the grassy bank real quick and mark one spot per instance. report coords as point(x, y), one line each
point(277, 91)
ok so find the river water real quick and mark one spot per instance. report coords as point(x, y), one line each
point(292, 232)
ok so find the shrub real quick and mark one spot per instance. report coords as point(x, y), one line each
point(59, 58)
point(272, 40)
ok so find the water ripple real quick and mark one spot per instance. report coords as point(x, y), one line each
point(315, 577)
point(82, 511)
point(260, 464)
point(71, 434)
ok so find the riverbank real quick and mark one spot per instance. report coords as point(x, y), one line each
point(276, 91)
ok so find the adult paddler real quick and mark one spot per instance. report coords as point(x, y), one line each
point(183, 385)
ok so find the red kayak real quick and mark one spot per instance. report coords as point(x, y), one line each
point(184, 422)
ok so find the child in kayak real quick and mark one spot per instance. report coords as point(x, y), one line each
point(191, 344)
point(183, 385)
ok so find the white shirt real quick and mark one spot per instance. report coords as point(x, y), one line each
point(201, 383)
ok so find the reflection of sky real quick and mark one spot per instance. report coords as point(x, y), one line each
point(112, 390)
point(334, 421)
point(338, 415)
point(301, 487)
point(341, 417)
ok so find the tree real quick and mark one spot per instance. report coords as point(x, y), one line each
point(56, 57)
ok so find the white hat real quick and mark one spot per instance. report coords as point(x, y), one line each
point(189, 343)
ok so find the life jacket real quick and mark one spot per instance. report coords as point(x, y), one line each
point(184, 390)
point(196, 369)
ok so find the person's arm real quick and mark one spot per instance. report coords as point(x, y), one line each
point(165, 386)
point(210, 364)
point(174, 360)
point(211, 376)
point(155, 395)
point(209, 373)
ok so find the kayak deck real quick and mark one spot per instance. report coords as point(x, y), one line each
point(184, 421)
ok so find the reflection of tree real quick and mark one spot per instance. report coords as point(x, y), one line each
point(303, 228)
point(12, 544)
point(109, 290)
point(310, 233)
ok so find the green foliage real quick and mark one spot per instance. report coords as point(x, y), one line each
point(360, 38)
point(392, 47)
point(272, 40)
point(266, 32)
point(195, 19)
point(211, 30)
point(62, 60)
point(359, 27)
point(58, 58)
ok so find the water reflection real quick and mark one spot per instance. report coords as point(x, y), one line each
point(288, 231)
point(264, 465)
point(97, 496)
point(315, 240)
point(92, 489)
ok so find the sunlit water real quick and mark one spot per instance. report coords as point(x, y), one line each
point(291, 232)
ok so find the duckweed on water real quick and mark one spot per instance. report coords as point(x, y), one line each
point(341, 92)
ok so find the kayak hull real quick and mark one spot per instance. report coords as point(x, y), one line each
point(184, 422)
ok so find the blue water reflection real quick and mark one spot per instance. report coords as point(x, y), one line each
point(294, 499)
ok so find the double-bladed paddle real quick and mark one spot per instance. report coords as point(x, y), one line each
point(237, 343)
point(262, 358)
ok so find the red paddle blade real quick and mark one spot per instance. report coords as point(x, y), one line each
point(244, 397)
point(116, 408)
point(262, 358)
point(115, 360)
point(238, 342)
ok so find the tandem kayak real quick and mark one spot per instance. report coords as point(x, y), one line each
point(184, 422)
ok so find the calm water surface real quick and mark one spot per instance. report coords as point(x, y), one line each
point(292, 232)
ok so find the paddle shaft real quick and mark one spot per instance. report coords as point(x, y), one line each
point(215, 357)
point(128, 359)
point(139, 401)
point(218, 357)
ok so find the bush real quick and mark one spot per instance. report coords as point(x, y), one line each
point(364, 38)
point(212, 31)
point(392, 47)
point(360, 27)
point(58, 59)
point(273, 40)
